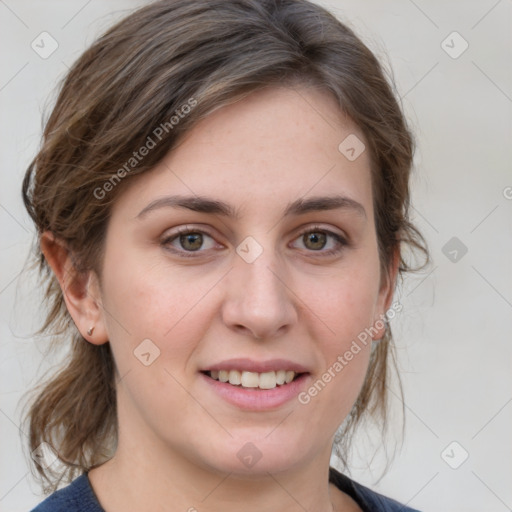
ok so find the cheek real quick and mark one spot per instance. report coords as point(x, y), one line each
point(143, 301)
point(345, 349)
point(344, 301)
point(157, 303)
point(341, 308)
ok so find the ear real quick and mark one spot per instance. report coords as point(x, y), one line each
point(386, 292)
point(81, 290)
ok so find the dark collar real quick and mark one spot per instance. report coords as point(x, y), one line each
point(348, 486)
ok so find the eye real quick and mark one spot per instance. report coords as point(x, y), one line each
point(323, 241)
point(187, 240)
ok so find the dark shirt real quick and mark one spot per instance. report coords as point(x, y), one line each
point(78, 496)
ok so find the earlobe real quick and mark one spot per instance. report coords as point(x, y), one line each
point(80, 289)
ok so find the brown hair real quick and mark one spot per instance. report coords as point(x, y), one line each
point(134, 83)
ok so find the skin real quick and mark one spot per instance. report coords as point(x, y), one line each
point(178, 439)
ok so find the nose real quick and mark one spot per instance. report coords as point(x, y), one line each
point(259, 302)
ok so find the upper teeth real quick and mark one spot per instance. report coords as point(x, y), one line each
point(266, 380)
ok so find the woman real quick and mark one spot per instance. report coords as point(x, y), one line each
point(221, 197)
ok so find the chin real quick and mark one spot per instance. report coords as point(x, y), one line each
point(259, 454)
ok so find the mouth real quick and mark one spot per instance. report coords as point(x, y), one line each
point(253, 385)
point(252, 391)
point(254, 381)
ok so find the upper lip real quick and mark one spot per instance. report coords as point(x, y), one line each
point(249, 365)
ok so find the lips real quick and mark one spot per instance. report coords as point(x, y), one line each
point(249, 365)
point(256, 399)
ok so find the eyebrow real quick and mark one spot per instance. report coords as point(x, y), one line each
point(298, 207)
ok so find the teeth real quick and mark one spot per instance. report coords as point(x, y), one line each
point(265, 380)
point(249, 379)
point(235, 378)
point(289, 377)
point(268, 380)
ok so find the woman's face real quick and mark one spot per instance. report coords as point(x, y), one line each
point(279, 272)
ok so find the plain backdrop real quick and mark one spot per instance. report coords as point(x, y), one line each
point(451, 63)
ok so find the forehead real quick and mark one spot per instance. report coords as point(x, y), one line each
point(271, 147)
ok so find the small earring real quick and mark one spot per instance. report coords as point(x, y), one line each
point(90, 331)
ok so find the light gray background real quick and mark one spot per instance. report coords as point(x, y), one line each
point(454, 331)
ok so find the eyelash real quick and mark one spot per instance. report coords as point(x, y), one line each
point(341, 241)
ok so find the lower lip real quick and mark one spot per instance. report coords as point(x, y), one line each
point(255, 399)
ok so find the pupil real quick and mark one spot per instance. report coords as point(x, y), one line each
point(316, 238)
point(191, 241)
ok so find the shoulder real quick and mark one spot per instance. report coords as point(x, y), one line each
point(367, 499)
point(78, 496)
